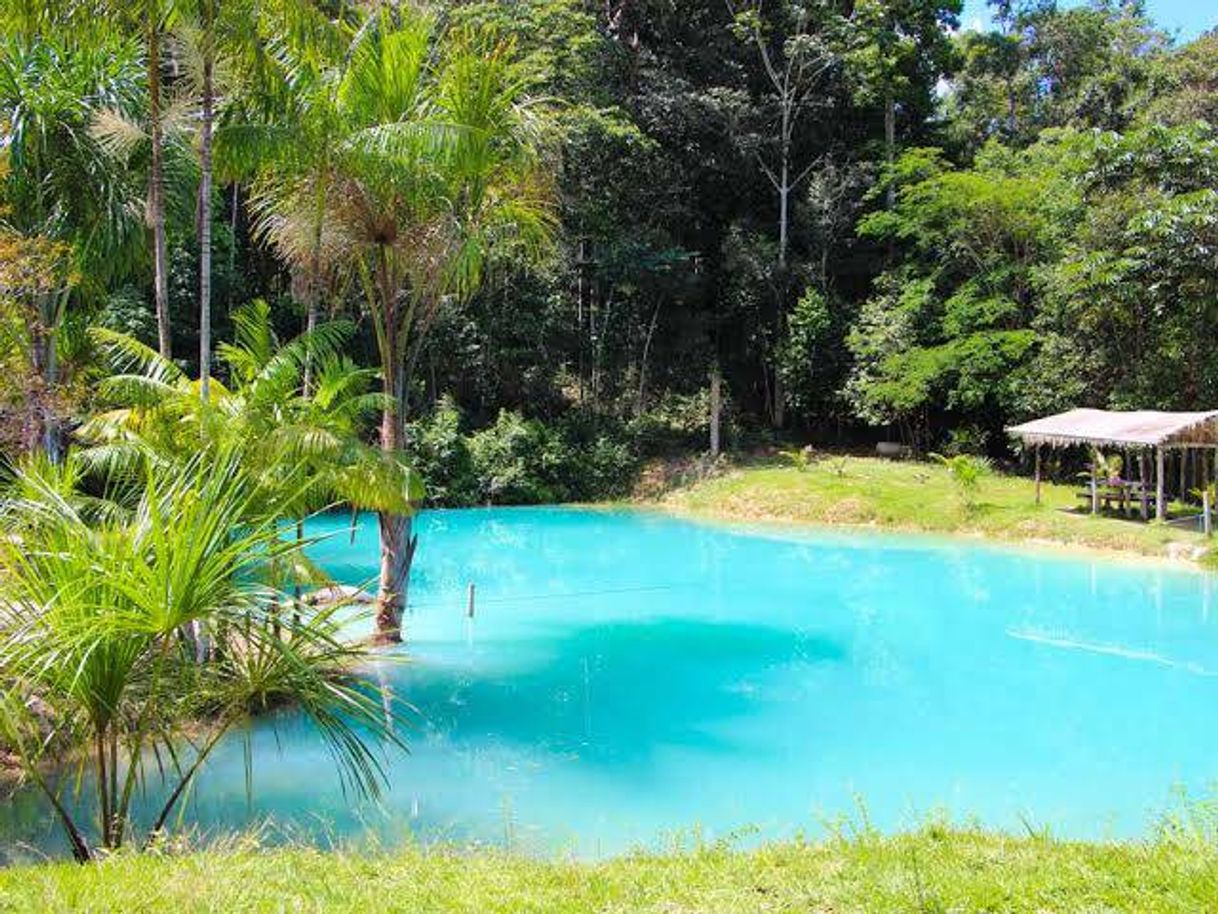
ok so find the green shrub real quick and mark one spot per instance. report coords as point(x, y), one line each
point(966, 472)
point(598, 458)
point(966, 439)
point(442, 454)
point(517, 461)
point(675, 423)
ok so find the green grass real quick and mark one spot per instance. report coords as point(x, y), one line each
point(933, 870)
point(908, 495)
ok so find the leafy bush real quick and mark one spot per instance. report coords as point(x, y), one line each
point(967, 472)
point(443, 456)
point(679, 423)
point(516, 461)
point(966, 439)
point(519, 461)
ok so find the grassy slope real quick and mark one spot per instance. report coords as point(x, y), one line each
point(926, 872)
point(914, 496)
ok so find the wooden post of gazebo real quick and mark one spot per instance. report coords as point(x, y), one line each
point(1038, 474)
point(1144, 496)
point(1160, 508)
point(1095, 489)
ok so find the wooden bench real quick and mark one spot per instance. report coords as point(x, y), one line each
point(1126, 496)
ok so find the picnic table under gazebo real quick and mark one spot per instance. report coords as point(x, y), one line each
point(1142, 432)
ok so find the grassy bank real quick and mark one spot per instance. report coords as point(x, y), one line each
point(916, 496)
point(931, 871)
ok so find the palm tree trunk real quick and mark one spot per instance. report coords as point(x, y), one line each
point(205, 185)
point(42, 427)
point(397, 542)
point(397, 554)
point(313, 296)
point(156, 189)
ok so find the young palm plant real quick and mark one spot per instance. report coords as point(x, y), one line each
point(966, 471)
point(93, 655)
point(307, 441)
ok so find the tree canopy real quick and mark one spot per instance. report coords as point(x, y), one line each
point(868, 221)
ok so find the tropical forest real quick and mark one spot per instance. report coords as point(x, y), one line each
point(608, 455)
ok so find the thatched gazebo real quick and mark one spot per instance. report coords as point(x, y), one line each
point(1140, 431)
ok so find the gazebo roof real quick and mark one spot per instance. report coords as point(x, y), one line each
point(1140, 428)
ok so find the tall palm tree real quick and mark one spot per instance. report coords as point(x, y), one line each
point(155, 16)
point(152, 21)
point(237, 34)
point(429, 168)
point(207, 105)
point(284, 138)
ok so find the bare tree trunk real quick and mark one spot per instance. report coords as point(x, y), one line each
point(42, 426)
point(205, 187)
point(313, 294)
point(651, 331)
point(579, 318)
point(716, 409)
point(1012, 120)
point(784, 205)
point(890, 146)
point(778, 412)
point(779, 418)
point(156, 190)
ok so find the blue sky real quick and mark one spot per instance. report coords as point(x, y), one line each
point(1185, 19)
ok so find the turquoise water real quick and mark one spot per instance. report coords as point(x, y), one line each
point(631, 676)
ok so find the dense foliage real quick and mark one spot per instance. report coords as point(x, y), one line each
point(870, 223)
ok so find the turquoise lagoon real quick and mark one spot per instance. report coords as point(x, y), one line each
point(630, 677)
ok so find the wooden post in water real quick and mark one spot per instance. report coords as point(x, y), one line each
point(1038, 474)
point(469, 601)
point(1160, 507)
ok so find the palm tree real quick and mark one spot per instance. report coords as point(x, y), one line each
point(152, 21)
point(207, 105)
point(425, 167)
point(154, 15)
point(284, 139)
point(240, 31)
point(306, 441)
point(71, 220)
point(92, 651)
